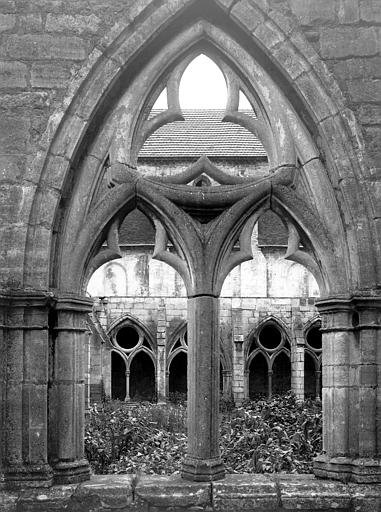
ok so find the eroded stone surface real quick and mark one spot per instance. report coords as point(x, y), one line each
point(331, 66)
point(255, 493)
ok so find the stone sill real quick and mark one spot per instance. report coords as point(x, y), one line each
point(281, 492)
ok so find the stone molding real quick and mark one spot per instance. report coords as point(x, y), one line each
point(257, 493)
point(351, 367)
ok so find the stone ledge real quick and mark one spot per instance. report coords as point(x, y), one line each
point(255, 493)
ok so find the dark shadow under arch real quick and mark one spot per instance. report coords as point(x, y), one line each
point(177, 382)
point(142, 377)
point(118, 376)
point(258, 376)
point(309, 376)
point(281, 378)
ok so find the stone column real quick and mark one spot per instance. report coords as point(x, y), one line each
point(269, 383)
point(351, 390)
point(3, 382)
point(127, 398)
point(317, 383)
point(203, 462)
point(227, 383)
point(297, 359)
point(25, 392)
point(161, 361)
point(67, 405)
point(240, 383)
point(246, 376)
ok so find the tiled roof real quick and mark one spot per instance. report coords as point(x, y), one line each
point(202, 133)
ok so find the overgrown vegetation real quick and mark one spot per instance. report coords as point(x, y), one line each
point(262, 436)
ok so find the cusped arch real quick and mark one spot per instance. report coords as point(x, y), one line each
point(138, 351)
point(313, 322)
point(173, 355)
point(315, 358)
point(268, 320)
point(274, 356)
point(131, 320)
point(321, 115)
point(179, 332)
point(121, 354)
point(253, 355)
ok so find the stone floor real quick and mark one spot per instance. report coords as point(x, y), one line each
point(257, 493)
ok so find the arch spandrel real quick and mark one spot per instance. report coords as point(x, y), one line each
point(156, 31)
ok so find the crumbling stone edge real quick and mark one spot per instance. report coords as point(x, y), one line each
point(275, 493)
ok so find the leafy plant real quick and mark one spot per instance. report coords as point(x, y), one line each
point(261, 436)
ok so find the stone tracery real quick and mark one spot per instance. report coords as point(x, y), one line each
point(203, 254)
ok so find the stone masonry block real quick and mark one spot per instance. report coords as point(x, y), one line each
point(14, 134)
point(358, 68)
point(238, 492)
point(31, 47)
point(247, 15)
point(336, 43)
point(50, 74)
point(292, 62)
point(311, 12)
point(370, 10)
point(368, 375)
point(372, 135)
point(7, 22)
point(365, 91)
point(12, 168)
point(31, 22)
point(323, 107)
point(268, 34)
point(13, 74)
point(7, 6)
point(67, 23)
point(348, 11)
point(369, 114)
point(25, 6)
point(308, 493)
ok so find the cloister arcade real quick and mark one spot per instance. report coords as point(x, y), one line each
point(88, 181)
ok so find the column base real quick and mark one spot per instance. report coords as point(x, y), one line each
point(346, 469)
point(202, 470)
point(28, 475)
point(71, 472)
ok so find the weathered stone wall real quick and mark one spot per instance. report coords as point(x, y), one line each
point(47, 50)
point(48, 47)
point(266, 287)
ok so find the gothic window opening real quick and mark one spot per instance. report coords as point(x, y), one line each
point(127, 338)
point(289, 127)
point(142, 378)
point(258, 377)
point(178, 375)
point(118, 376)
point(270, 337)
point(281, 374)
point(177, 382)
point(312, 362)
point(194, 117)
point(137, 351)
point(187, 166)
point(314, 339)
point(269, 361)
point(202, 85)
point(309, 376)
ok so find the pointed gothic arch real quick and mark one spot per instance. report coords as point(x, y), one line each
point(91, 101)
point(64, 239)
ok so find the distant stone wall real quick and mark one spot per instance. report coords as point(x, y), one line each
point(269, 286)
